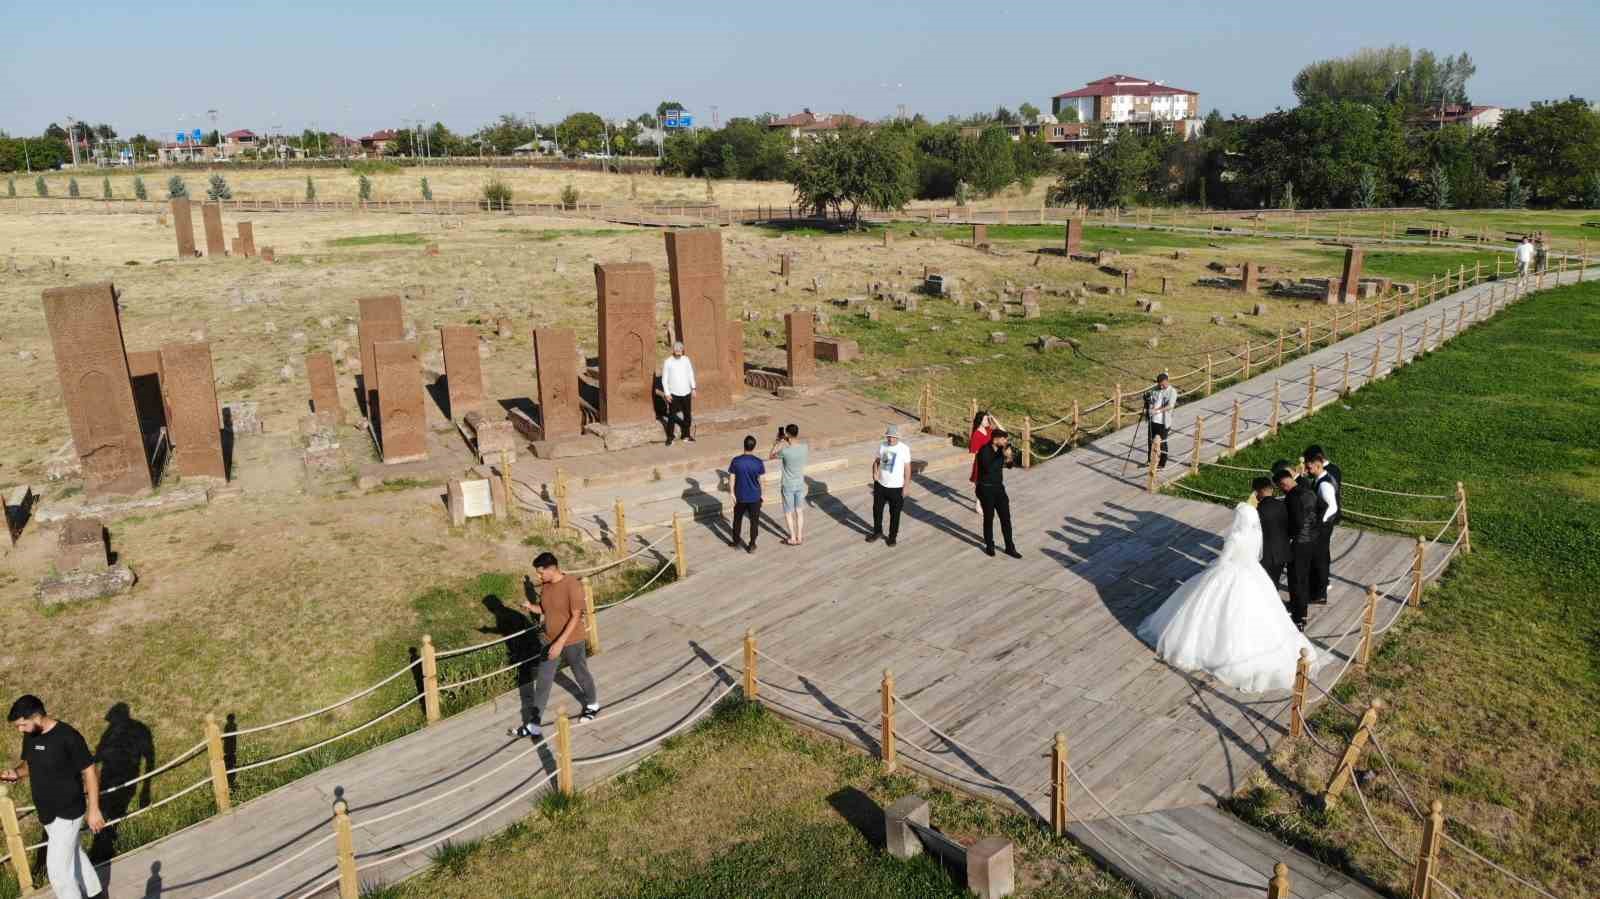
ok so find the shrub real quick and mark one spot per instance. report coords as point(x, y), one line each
point(11, 187)
point(569, 197)
point(40, 188)
point(375, 167)
point(311, 189)
point(176, 189)
point(219, 188)
point(1591, 191)
point(72, 187)
point(496, 194)
point(105, 188)
point(364, 188)
point(139, 190)
point(427, 192)
point(1366, 190)
point(1516, 195)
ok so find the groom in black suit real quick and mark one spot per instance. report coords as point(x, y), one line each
point(1274, 514)
point(1300, 500)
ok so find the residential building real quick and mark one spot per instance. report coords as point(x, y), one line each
point(378, 141)
point(809, 124)
point(1119, 99)
point(1472, 116)
point(236, 142)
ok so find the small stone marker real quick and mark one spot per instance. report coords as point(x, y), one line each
point(400, 423)
point(82, 546)
point(1258, 309)
point(183, 227)
point(432, 249)
point(1252, 276)
point(247, 239)
point(237, 248)
point(900, 838)
point(991, 868)
point(1334, 292)
point(324, 388)
point(1351, 277)
point(980, 236)
point(492, 437)
point(1030, 310)
point(1074, 236)
point(997, 337)
point(267, 255)
point(211, 214)
point(837, 349)
point(784, 265)
point(189, 382)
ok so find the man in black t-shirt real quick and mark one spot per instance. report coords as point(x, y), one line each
point(66, 791)
point(992, 462)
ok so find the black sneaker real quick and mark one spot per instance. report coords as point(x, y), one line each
point(889, 542)
point(531, 730)
point(589, 713)
point(1320, 601)
point(988, 551)
point(669, 441)
point(750, 548)
point(873, 536)
point(735, 543)
point(690, 439)
point(1012, 552)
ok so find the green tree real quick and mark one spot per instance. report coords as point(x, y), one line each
point(211, 139)
point(427, 192)
point(1032, 157)
point(730, 161)
point(1591, 191)
point(1367, 189)
point(569, 197)
point(1554, 145)
point(581, 132)
point(176, 189)
point(666, 106)
point(39, 187)
point(140, 192)
point(1437, 188)
point(105, 188)
point(1516, 195)
point(855, 167)
point(72, 187)
point(218, 189)
point(496, 194)
point(1116, 173)
point(1028, 112)
point(364, 188)
point(989, 165)
point(11, 187)
point(1365, 76)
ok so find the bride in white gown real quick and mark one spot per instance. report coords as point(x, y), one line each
point(1228, 620)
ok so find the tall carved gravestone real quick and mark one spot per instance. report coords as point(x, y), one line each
point(92, 363)
point(1351, 278)
point(463, 370)
point(699, 299)
point(402, 430)
point(183, 227)
point(324, 387)
point(626, 294)
point(1074, 236)
point(196, 426)
point(247, 239)
point(980, 235)
point(555, 357)
point(797, 332)
point(735, 340)
point(376, 309)
point(1250, 279)
point(216, 243)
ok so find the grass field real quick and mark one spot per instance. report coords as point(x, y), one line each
point(745, 807)
point(1494, 687)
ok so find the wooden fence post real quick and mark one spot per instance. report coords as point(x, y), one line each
point(1422, 345)
point(1155, 455)
point(1279, 363)
point(506, 484)
point(1278, 886)
point(620, 532)
point(927, 407)
point(1277, 385)
point(1377, 349)
point(1352, 753)
point(1246, 354)
point(1311, 392)
point(886, 745)
point(1466, 526)
point(1027, 441)
point(1208, 373)
point(563, 513)
point(1415, 597)
point(1297, 698)
point(345, 843)
point(1333, 329)
point(679, 561)
point(1344, 387)
point(14, 844)
point(1400, 348)
point(1428, 852)
point(1058, 785)
point(563, 751)
point(972, 409)
point(1233, 430)
point(752, 687)
point(1077, 424)
point(1116, 409)
point(591, 627)
point(430, 680)
point(218, 764)
point(1369, 616)
point(1307, 347)
point(1199, 440)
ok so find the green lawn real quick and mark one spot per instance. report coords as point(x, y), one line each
point(1494, 686)
point(407, 238)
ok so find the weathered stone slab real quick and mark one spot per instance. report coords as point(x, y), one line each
point(735, 335)
point(1074, 237)
point(324, 387)
point(402, 430)
point(836, 349)
point(699, 299)
point(1351, 279)
point(183, 227)
point(463, 369)
point(170, 499)
point(492, 437)
point(569, 447)
point(620, 437)
point(92, 365)
point(980, 235)
point(1252, 277)
point(1334, 291)
point(267, 255)
point(370, 333)
point(82, 546)
point(625, 291)
point(216, 243)
point(801, 350)
point(377, 308)
point(77, 586)
point(196, 425)
point(247, 239)
point(555, 358)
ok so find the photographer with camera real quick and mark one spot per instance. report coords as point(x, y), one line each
point(1159, 401)
point(995, 457)
point(793, 454)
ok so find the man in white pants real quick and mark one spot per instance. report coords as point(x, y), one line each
point(1525, 254)
point(66, 792)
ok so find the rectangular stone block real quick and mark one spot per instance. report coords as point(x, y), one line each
point(463, 369)
point(493, 437)
point(92, 365)
point(183, 227)
point(82, 546)
point(402, 429)
point(1252, 276)
point(626, 295)
point(324, 387)
point(1074, 236)
point(801, 350)
point(900, 838)
point(247, 239)
point(236, 248)
point(735, 334)
point(19, 508)
point(699, 298)
point(980, 235)
point(836, 349)
point(555, 358)
point(1351, 278)
point(267, 255)
point(369, 333)
point(991, 868)
point(1334, 291)
point(472, 498)
point(196, 424)
point(216, 244)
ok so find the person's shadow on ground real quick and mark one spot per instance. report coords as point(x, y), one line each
point(127, 749)
point(524, 647)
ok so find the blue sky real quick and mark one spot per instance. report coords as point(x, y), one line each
point(356, 66)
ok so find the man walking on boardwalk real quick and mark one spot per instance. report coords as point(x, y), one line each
point(890, 468)
point(1525, 254)
point(677, 382)
point(66, 794)
point(565, 633)
point(746, 470)
point(995, 457)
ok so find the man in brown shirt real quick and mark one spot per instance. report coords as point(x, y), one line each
point(565, 633)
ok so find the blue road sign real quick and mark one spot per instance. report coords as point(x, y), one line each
point(183, 137)
point(196, 136)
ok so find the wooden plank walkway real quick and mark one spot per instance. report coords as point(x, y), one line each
point(998, 653)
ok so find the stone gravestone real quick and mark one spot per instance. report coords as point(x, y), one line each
point(216, 244)
point(1351, 279)
point(1333, 292)
point(735, 335)
point(196, 426)
point(694, 260)
point(1251, 279)
point(82, 546)
point(150, 400)
point(267, 255)
point(785, 264)
point(402, 430)
point(324, 387)
point(183, 226)
point(372, 332)
point(980, 235)
point(19, 508)
point(888, 236)
point(836, 349)
point(801, 348)
point(92, 364)
point(463, 370)
point(375, 309)
point(237, 248)
point(1074, 236)
point(555, 358)
point(247, 239)
point(625, 291)
point(474, 498)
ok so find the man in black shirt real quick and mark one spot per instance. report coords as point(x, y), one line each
point(1274, 514)
point(66, 790)
point(1303, 534)
point(993, 460)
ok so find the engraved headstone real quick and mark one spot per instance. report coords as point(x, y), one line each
point(324, 387)
point(735, 334)
point(196, 425)
point(1351, 278)
point(92, 365)
point(82, 546)
point(625, 291)
point(463, 370)
point(402, 431)
point(247, 239)
point(1251, 279)
point(1074, 236)
point(183, 226)
point(694, 258)
point(555, 357)
point(980, 235)
point(216, 245)
point(376, 309)
point(801, 348)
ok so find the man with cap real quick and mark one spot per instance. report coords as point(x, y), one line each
point(1159, 402)
point(890, 468)
point(677, 381)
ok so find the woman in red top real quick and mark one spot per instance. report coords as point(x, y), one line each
point(982, 425)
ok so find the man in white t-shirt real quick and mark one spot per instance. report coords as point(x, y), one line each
point(677, 382)
point(1525, 254)
point(890, 468)
point(1159, 401)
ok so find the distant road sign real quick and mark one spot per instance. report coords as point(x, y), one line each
point(183, 137)
point(196, 136)
point(678, 121)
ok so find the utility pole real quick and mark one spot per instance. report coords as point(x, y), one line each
point(72, 139)
point(713, 117)
point(212, 113)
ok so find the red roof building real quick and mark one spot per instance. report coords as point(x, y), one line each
point(1124, 98)
point(809, 123)
point(1473, 116)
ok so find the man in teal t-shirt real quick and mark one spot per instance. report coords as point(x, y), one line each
point(793, 454)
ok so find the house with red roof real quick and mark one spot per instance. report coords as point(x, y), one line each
point(1119, 99)
point(379, 141)
point(808, 124)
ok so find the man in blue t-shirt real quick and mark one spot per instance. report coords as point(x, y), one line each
point(747, 469)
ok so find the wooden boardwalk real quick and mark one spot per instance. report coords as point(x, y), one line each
point(998, 653)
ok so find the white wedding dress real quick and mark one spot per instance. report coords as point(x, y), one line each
point(1228, 620)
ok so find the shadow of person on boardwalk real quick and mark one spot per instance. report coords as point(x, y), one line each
point(822, 498)
point(522, 647)
point(918, 510)
point(126, 750)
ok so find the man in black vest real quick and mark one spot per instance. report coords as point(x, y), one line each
point(1301, 504)
point(1274, 514)
point(1326, 482)
point(995, 457)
